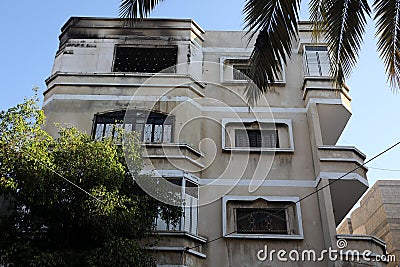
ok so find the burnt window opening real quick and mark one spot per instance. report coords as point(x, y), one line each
point(145, 59)
point(261, 221)
point(256, 138)
point(153, 127)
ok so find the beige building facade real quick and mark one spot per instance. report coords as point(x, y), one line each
point(378, 215)
point(243, 172)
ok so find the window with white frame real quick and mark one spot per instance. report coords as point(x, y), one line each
point(189, 220)
point(257, 135)
point(316, 61)
point(261, 221)
point(239, 69)
point(256, 138)
point(261, 217)
point(153, 127)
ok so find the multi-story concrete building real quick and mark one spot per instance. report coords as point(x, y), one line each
point(378, 215)
point(243, 172)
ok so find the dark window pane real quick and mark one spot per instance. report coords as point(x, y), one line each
point(145, 59)
point(256, 138)
point(261, 221)
point(153, 127)
point(241, 72)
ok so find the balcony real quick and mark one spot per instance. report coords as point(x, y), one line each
point(103, 82)
point(172, 156)
point(342, 166)
point(361, 250)
point(333, 104)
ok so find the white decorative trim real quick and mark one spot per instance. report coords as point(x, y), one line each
point(265, 183)
point(184, 234)
point(198, 164)
point(181, 249)
point(171, 174)
point(247, 182)
point(236, 109)
point(115, 98)
point(227, 50)
point(346, 148)
point(172, 99)
point(288, 122)
point(344, 160)
point(337, 175)
point(185, 145)
point(293, 199)
point(253, 109)
point(362, 237)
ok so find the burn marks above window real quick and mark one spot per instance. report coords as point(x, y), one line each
point(145, 59)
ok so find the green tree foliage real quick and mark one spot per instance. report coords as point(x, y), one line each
point(46, 220)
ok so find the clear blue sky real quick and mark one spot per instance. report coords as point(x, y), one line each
point(30, 32)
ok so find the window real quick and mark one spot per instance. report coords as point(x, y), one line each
point(262, 217)
point(261, 221)
point(153, 127)
point(316, 61)
point(249, 134)
point(256, 138)
point(241, 71)
point(145, 59)
point(237, 70)
point(189, 220)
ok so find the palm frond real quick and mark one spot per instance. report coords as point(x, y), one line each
point(318, 11)
point(387, 16)
point(131, 9)
point(345, 28)
point(277, 22)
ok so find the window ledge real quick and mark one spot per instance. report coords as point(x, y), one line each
point(180, 145)
point(183, 234)
point(267, 236)
point(244, 82)
point(256, 149)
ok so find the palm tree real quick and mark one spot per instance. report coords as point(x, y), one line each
point(342, 22)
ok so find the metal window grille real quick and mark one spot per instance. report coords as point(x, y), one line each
point(256, 138)
point(261, 221)
point(153, 127)
point(145, 59)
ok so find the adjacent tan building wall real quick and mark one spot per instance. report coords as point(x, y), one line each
point(378, 215)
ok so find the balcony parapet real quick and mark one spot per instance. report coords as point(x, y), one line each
point(343, 167)
point(342, 159)
point(323, 88)
point(125, 80)
point(361, 250)
point(173, 156)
